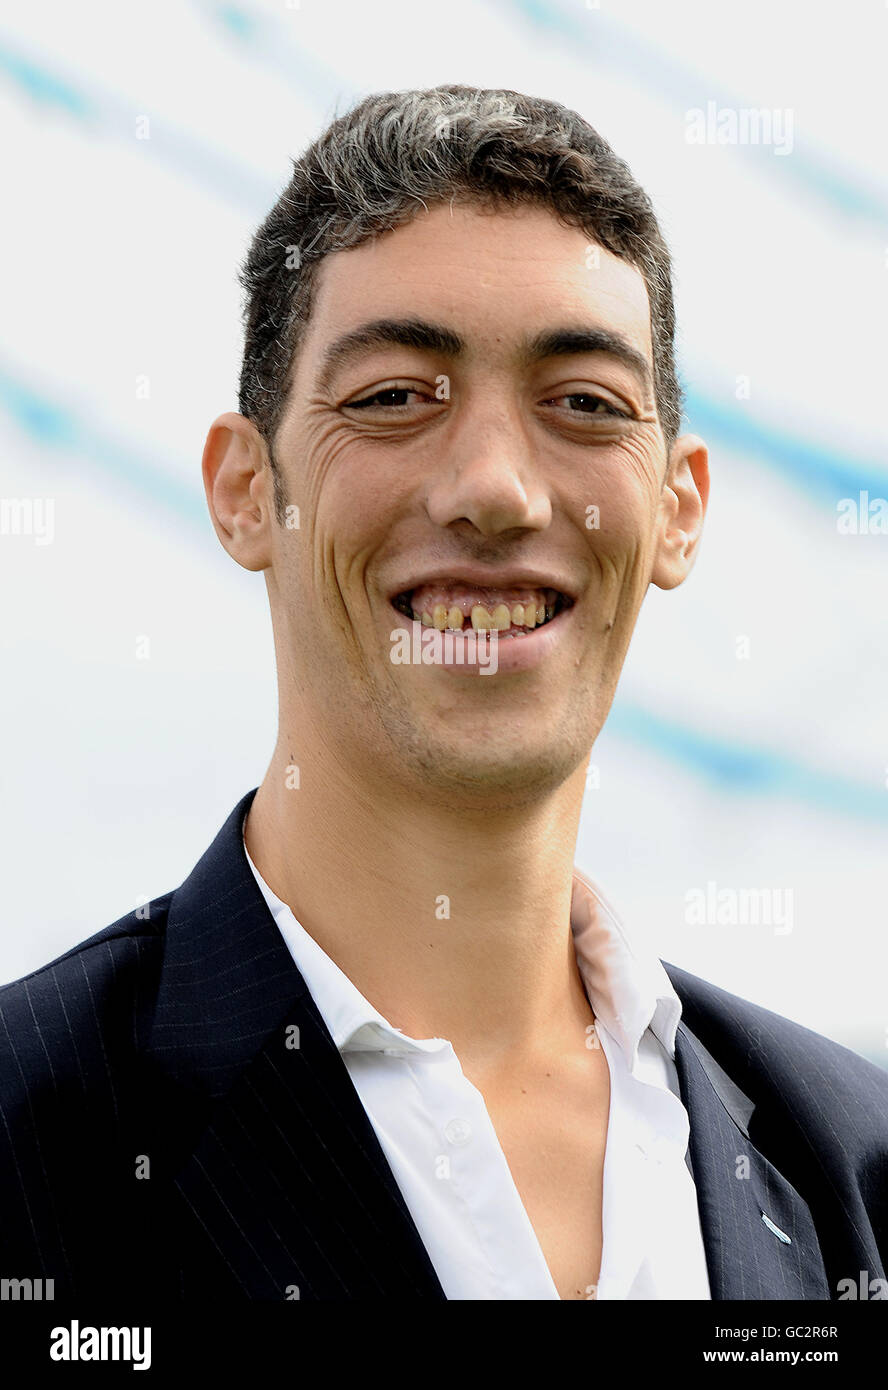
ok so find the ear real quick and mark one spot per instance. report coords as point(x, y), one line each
point(237, 480)
point(681, 511)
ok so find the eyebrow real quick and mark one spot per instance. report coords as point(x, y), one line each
point(566, 342)
point(434, 337)
point(414, 333)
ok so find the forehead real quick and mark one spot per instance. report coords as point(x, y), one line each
point(494, 275)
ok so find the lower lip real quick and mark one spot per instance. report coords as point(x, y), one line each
point(513, 654)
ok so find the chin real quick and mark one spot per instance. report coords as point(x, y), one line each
point(517, 776)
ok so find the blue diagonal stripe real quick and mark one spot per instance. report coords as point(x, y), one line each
point(594, 36)
point(749, 770)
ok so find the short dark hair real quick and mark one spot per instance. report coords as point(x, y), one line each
point(396, 152)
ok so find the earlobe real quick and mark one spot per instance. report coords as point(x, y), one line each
point(683, 503)
point(236, 469)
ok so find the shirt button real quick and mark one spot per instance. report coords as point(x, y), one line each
point(458, 1131)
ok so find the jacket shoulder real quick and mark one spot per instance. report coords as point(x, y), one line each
point(800, 1079)
point(98, 995)
point(71, 1034)
point(782, 1045)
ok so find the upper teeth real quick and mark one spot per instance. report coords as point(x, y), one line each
point(429, 607)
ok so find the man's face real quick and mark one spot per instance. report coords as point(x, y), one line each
point(461, 456)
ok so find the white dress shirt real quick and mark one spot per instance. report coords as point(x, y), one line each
point(441, 1146)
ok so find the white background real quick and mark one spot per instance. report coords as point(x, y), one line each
point(119, 260)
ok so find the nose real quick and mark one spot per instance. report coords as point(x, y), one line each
point(489, 476)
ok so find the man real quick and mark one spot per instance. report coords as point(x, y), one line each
point(385, 1040)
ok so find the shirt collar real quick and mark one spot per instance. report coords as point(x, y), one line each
point(628, 989)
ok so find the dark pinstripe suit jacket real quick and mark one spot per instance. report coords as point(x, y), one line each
point(163, 1136)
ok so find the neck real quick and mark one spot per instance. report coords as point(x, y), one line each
point(453, 923)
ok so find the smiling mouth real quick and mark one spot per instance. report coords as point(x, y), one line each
point(483, 611)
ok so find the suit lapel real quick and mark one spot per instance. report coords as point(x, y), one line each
point(747, 1257)
point(276, 1186)
point(268, 1181)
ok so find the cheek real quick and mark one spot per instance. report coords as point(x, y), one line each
point(353, 504)
point(341, 493)
point(615, 507)
point(617, 503)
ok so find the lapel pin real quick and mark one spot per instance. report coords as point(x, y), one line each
point(781, 1235)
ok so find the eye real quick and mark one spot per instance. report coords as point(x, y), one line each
point(588, 403)
point(389, 398)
